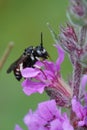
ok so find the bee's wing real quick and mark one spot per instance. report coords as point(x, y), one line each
point(16, 63)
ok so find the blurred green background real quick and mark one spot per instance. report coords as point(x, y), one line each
point(22, 21)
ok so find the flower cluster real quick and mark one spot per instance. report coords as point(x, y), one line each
point(46, 117)
point(46, 76)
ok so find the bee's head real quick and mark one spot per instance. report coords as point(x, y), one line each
point(40, 51)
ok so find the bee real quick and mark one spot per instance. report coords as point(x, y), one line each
point(28, 59)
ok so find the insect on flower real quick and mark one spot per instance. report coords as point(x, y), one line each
point(28, 59)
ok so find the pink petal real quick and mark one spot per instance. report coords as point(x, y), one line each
point(56, 125)
point(77, 108)
point(66, 124)
point(29, 72)
point(28, 117)
point(17, 127)
point(30, 87)
point(84, 81)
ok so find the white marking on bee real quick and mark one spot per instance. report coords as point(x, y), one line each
point(17, 73)
point(17, 76)
point(32, 57)
point(17, 70)
point(39, 52)
point(44, 50)
point(21, 66)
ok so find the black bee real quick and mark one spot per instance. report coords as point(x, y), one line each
point(28, 59)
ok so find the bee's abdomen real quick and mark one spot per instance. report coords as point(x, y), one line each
point(17, 74)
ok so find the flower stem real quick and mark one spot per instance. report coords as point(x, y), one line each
point(76, 87)
point(76, 79)
point(6, 54)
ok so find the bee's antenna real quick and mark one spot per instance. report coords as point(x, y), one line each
point(41, 40)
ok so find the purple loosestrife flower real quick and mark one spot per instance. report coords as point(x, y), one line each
point(49, 79)
point(47, 117)
point(75, 45)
